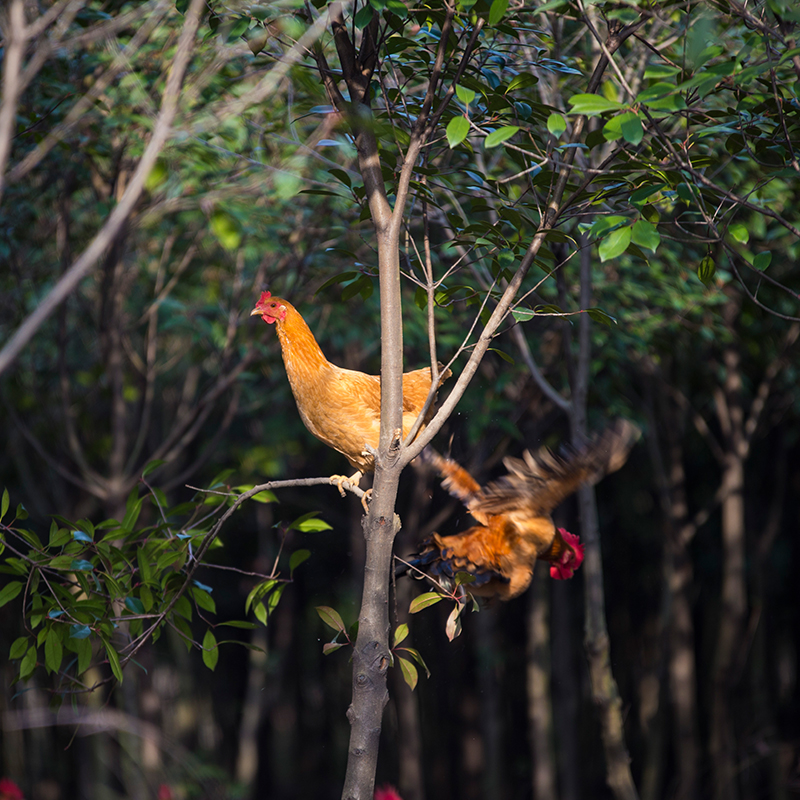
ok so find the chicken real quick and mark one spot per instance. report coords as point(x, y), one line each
point(513, 514)
point(341, 407)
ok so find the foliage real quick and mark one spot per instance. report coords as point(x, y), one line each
point(100, 592)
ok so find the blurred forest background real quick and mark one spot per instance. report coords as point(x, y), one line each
point(152, 357)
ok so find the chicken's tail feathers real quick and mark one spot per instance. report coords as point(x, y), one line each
point(617, 440)
point(455, 479)
point(540, 482)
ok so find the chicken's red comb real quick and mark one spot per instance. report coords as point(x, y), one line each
point(571, 558)
point(387, 793)
point(264, 297)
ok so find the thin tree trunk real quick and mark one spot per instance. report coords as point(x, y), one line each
point(734, 588)
point(540, 708)
point(604, 687)
point(566, 684)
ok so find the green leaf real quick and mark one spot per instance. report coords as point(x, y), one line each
point(497, 11)
point(465, 95)
point(400, 633)
point(9, 592)
point(762, 260)
point(204, 600)
point(615, 243)
point(706, 270)
point(84, 648)
point(423, 601)
point(297, 558)
point(28, 664)
point(505, 356)
point(330, 616)
point(264, 496)
point(151, 466)
point(642, 193)
point(53, 650)
point(645, 235)
point(598, 315)
point(410, 673)
point(18, 648)
point(457, 130)
point(134, 605)
point(523, 314)
point(592, 104)
point(632, 129)
point(418, 658)
point(5, 503)
point(210, 650)
point(309, 523)
point(499, 136)
point(739, 232)
point(522, 81)
point(332, 647)
point(363, 17)
point(556, 124)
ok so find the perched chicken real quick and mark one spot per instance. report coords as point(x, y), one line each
point(513, 515)
point(341, 407)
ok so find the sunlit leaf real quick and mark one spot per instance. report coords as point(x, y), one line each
point(465, 95)
point(400, 633)
point(615, 243)
point(423, 601)
point(645, 235)
point(499, 136)
point(592, 104)
point(410, 673)
point(330, 616)
point(739, 232)
point(457, 130)
point(556, 124)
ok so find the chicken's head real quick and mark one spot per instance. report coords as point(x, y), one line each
point(269, 308)
point(570, 559)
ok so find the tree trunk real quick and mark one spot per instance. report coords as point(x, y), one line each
point(540, 708)
point(604, 687)
point(734, 589)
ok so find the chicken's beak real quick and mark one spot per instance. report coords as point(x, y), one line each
point(255, 311)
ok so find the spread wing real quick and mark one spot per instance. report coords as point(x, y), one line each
point(535, 485)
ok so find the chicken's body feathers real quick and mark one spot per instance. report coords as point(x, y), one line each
point(513, 513)
point(341, 407)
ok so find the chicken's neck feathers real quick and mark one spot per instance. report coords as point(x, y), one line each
point(302, 356)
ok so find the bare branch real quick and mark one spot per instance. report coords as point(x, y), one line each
point(12, 64)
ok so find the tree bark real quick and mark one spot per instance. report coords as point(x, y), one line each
point(734, 588)
point(540, 707)
point(604, 687)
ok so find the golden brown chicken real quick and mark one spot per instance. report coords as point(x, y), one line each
point(341, 407)
point(513, 514)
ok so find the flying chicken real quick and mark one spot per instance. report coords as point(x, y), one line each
point(513, 514)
